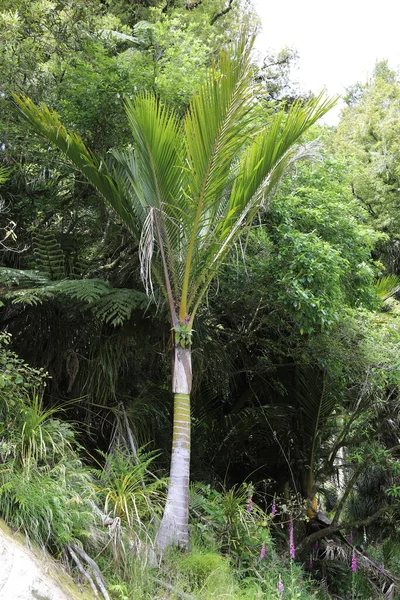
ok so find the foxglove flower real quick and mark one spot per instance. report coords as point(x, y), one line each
point(291, 539)
point(250, 504)
point(273, 509)
point(354, 563)
point(262, 554)
point(280, 585)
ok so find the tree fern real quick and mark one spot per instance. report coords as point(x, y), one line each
point(111, 305)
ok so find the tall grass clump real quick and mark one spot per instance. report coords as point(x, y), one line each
point(44, 487)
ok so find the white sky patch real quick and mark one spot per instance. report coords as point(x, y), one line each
point(338, 43)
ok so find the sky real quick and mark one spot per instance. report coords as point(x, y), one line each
point(338, 42)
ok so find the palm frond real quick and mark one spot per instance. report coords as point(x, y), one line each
point(386, 287)
point(260, 168)
point(47, 124)
point(4, 173)
point(215, 129)
point(316, 401)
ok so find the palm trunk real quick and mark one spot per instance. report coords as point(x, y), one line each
point(174, 525)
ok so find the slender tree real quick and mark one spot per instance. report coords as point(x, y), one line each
point(187, 189)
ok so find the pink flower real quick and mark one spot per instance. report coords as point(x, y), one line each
point(250, 505)
point(354, 562)
point(273, 509)
point(382, 570)
point(280, 585)
point(262, 555)
point(291, 539)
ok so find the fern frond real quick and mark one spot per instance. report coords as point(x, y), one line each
point(83, 290)
point(116, 307)
point(17, 277)
point(30, 296)
point(49, 256)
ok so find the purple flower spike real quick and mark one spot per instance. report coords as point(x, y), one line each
point(382, 570)
point(273, 509)
point(280, 585)
point(291, 539)
point(354, 563)
point(262, 555)
point(250, 505)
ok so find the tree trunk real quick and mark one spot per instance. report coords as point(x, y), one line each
point(174, 525)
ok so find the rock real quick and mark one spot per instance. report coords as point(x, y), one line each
point(25, 575)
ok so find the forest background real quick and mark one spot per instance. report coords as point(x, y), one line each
point(295, 406)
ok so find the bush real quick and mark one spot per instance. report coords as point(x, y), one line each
point(198, 568)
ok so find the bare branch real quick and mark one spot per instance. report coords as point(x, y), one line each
point(82, 570)
point(72, 548)
point(318, 535)
point(346, 494)
point(222, 13)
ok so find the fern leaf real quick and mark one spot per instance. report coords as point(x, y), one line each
point(16, 277)
point(49, 255)
point(30, 296)
point(83, 290)
point(116, 307)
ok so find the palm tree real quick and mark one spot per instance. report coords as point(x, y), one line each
point(186, 191)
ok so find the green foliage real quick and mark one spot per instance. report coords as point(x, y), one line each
point(126, 489)
point(116, 306)
point(225, 518)
point(112, 306)
point(48, 504)
point(49, 255)
point(183, 334)
point(368, 137)
point(16, 377)
point(200, 567)
point(44, 487)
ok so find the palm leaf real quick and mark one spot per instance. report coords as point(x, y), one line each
point(316, 402)
point(47, 123)
point(387, 287)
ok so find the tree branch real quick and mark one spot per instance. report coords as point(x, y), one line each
point(346, 494)
point(190, 5)
point(222, 12)
point(82, 570)
point(72, 548)
point(318, 535)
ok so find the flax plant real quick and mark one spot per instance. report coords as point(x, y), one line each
point(186, 190)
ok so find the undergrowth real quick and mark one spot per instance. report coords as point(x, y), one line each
point(111, 511)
